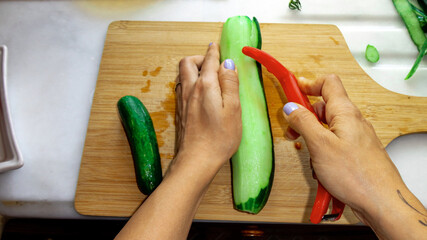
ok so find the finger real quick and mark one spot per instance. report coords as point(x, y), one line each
point(189, 73)
point(178, 113)
point(291, 134)
point(328, 86)
point(333, 93)
point(209, 71)
point(178, 96)
point(178, 131)
point(229, 84)
point(305, 123)
point(178, 88)
point(319, 109)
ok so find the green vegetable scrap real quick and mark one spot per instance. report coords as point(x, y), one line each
point(371, 54)
point(423, 4)
point(414, 68)
point(416, 23)
point(295, 5)
point(410, 19)
point(421, 16)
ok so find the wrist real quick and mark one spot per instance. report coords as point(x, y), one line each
point(398, 215)
point(198, 167)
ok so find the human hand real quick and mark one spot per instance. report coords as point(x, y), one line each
point(209, 129)
point(208, 114)
point(348, 158)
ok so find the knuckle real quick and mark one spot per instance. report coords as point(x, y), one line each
point(198, 87)
point(323, 140)
point(333, 77)
point(229, 81)
point(300, 117)
point(184, 62)
point(230, 75)
point(235, 104)
point(207, 82)
point(348, 109)
point(368, 123)
point(230, 85)
point(185, 95)
point(354, 111)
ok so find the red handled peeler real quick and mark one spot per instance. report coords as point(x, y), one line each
point(294, 94)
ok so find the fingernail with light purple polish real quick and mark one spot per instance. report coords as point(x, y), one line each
point(290, 107)
point(210, 44)
point(229, 64)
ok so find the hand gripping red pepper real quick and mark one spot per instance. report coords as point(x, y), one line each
point(294, 94)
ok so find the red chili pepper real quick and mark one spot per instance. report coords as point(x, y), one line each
point(293, 93)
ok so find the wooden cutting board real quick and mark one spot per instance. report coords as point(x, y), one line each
point(141, 59)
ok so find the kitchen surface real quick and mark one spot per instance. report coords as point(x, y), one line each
point(54, 54)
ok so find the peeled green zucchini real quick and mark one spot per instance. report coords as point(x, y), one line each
point(253, 163)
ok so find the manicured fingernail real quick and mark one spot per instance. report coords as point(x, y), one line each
point(290, 107)
point(210, 44)
point(229, 64)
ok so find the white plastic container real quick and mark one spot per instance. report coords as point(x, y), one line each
point(10, 157)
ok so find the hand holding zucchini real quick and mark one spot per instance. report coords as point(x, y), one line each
point(142, 139)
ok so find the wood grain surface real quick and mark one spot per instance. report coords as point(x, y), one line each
point(141, 59)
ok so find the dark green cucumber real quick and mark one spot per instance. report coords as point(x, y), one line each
point(253, 163)
point(142, 140)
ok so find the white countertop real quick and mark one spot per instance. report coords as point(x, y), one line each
point(55, 49)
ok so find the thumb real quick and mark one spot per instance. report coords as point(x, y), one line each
point(305, 123)
point(229, 82)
